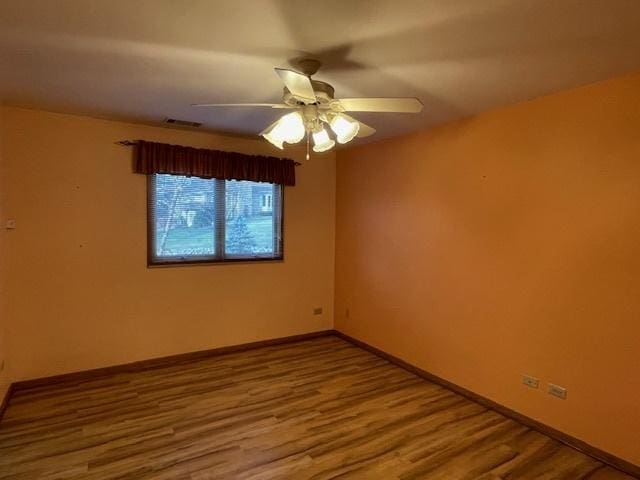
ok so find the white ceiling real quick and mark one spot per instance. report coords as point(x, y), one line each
point(149, 59)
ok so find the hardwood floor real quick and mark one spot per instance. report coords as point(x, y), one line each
point(315, 409)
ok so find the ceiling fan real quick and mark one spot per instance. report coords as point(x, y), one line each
point(314, 105)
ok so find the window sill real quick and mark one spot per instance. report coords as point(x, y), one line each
point(227, 261)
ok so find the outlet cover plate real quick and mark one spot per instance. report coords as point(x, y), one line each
point(530, 381)
point(558, 391)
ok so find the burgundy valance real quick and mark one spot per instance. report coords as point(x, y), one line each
point(151, 157)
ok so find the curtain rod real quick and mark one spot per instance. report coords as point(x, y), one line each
point(127, 143)
point(131, 143)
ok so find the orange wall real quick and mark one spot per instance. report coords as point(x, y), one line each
point(80, 294)
point(4, 377)
point(505, 244)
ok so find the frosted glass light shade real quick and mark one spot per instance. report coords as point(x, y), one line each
point(321, 141)
point(345, 127)
point(274, 140)
point(290, 129)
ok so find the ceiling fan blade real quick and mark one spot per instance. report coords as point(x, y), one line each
point(268, 105)
point(399, 105)
point(298, 84)
point(365, 130)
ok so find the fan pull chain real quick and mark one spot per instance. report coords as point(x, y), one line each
point(307, 145)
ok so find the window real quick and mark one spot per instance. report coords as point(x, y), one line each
point(196, 220)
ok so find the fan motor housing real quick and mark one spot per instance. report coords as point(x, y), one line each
point(324, 94)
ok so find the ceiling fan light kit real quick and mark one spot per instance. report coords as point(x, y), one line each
point(314, 107)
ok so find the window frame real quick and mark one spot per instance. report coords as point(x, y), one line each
point(219, 258)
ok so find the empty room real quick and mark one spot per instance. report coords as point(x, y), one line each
point(287, 239)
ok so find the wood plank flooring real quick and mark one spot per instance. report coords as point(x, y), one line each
point(315, 409)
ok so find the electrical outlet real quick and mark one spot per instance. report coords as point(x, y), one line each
point(317, 311)
point(558, 391)
point(530, 381)
point(10, 225)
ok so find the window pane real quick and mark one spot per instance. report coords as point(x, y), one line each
point(185, 216)
point(249, 218)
